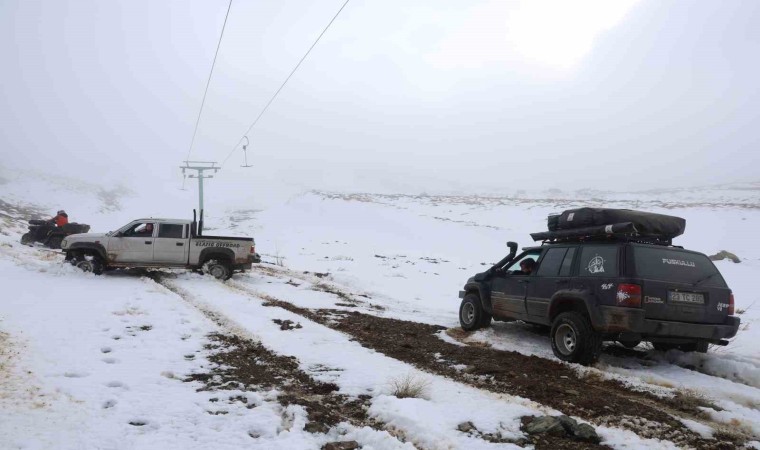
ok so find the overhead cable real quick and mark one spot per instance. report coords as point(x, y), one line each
point(208, 82)
point(284, 83)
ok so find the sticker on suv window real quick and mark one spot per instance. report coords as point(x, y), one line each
point(596, 265)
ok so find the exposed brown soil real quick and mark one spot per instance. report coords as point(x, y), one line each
point(550, 383)
point(241, 364)
point(602, 402)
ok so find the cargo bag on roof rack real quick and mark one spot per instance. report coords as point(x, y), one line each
point(646, 224)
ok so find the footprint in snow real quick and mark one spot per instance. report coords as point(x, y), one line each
point(105, 350)
point(108, 404)
point(110, 360)
point(116, 384)
point(76, 374)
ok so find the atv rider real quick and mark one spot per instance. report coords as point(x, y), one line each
point(60, 219)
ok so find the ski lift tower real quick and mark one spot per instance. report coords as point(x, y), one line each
point(200, 167)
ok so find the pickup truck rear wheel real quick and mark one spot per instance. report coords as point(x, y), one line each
point(219, 270)
point(574, 340)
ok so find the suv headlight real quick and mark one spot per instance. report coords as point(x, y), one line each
point(64, 243)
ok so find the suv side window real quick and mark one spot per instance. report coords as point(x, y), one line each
point(552, 262)
point(567, 263)
point(599, 261)
point(170, 230)
point(514, 267)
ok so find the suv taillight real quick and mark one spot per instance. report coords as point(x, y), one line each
point(731, 304)
point(629, 295)
point(253, 249)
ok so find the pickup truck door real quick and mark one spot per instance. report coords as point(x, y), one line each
point(171, 244)
point(135, 244)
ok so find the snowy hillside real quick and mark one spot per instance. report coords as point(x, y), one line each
point(357, 293)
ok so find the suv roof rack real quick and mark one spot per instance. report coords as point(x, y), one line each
point(618, 232)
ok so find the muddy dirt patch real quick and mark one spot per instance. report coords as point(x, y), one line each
point(544, 381)
point(240, 364)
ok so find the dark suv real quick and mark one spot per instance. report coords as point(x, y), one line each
point(606, 288)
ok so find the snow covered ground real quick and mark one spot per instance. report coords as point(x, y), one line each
point(91, 361)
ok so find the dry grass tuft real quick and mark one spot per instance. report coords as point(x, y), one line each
point(693, 400)
point(409, 386)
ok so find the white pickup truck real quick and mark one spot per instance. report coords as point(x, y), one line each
point(158, 243)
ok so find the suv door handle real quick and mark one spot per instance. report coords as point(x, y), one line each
point(180, 244)
point(523, 281)
point(561, 281)
point(148, 242)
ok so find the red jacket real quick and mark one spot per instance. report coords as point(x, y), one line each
point(61, 220)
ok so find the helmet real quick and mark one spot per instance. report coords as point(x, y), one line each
point(61, 212)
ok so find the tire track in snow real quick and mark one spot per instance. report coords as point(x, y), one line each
point(244, 361)
point(404, 427)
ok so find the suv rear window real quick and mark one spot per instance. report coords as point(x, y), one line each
point(667, 264)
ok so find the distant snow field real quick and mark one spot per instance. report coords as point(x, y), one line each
point(100, 362)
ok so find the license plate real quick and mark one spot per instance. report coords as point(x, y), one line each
point(687, 297)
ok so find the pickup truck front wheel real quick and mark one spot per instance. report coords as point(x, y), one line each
point(89, 263)
point(219, 270)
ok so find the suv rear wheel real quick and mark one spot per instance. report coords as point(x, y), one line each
point(471, 314)
point(574, 340)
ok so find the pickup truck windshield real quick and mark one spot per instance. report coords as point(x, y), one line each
point(667, 264)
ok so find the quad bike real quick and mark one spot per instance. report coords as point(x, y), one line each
point(45, 232)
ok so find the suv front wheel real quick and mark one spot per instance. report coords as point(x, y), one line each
point(574, 340)
point(471, 314)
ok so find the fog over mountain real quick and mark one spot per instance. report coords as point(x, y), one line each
point(397, 96)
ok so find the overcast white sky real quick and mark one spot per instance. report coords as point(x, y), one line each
point(398, 95)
